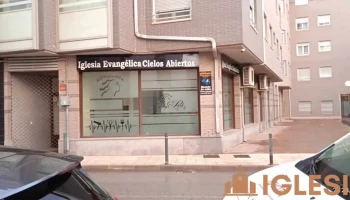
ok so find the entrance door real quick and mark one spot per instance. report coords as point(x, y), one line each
point(32, 110)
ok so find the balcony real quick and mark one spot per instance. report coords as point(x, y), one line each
point(18, 26)
point(85, 25)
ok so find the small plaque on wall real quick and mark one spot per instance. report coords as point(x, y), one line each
point(205, 83)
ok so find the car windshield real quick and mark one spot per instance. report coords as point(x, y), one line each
point(334, 161)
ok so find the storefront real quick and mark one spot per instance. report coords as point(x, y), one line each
point(139, 95)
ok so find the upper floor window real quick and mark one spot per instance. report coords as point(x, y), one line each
point(76, 5)
point(14, 5)
point(325, 72)
point(327, 107)
point(305, 107)
point(271, 36)
point(324, 20)
point(283, 36)
point(169, 10)
point(301, 2)
point(302, 23)
point(284, 66)
point(278, 49)
point(282, 6)
point(303, 49)
point(266, 27)
point(324, 46)
point(252, 7)
point(303, 74)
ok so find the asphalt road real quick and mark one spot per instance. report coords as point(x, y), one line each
point(164, 185)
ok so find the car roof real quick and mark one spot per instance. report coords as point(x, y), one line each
point(21, 169)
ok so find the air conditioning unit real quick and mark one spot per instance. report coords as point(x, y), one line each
point(263, 82)
point(248, 76)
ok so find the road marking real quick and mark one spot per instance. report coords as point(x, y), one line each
point(174, 197)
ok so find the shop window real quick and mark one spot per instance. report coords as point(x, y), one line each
point(77, 5)
point(227, 96)
point(110, 103)
point(248, 105)
point(14, 5)
point(168, 103)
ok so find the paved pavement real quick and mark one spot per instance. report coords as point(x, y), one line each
point(164, 185)
point(292, 140)
point(297, 136)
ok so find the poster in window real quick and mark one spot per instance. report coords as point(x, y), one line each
point(205, 83)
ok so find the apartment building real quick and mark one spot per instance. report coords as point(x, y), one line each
point(319, 54)
point(107, 77)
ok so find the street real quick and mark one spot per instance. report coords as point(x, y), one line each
point(164, 185)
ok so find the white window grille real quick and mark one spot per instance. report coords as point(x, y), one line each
point(171, 10)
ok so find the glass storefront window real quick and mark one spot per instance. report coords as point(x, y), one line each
point(110, 103)
point(227, 94)
point(169, 102)
point(248, 105)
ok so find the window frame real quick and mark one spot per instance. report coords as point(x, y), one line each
point(319, 46)
point(301, 19)
point(322, 67)
point(327, 113)
point(140, 132)
point(154, 14)
point(303, 45)
point(28, 3)
point(303, 80)
point(230, 75)
point(302, 112)
point(318, 20)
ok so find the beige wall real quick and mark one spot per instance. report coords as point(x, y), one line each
point(318, 89)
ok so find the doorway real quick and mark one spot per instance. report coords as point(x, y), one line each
point(35, 113)
point(345, 105)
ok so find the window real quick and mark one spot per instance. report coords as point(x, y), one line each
point(76, 5)
point(14, 5)
point(278, 50)
point(282, 6)
point(327, 107)
point(302, 23)
point(325, 72)
point(252, 12)
point(112, 105)
point(169, 10)
point(266, 26)
point(284, 67)
point(301, 2)
point(169, 100)
point(303, 74)
point(276, 6)
point(283, 36)
point(324, 20)
point(303, 49)
point(271, 37)
point(281, 54)
point(274, 37)
point(248, 105)
point(305, 107)
point(227, 88)
point(324, 46)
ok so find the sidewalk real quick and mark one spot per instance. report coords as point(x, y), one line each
point(185, 162)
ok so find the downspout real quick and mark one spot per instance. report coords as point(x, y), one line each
point(193, 39)
point(264, 50)
point(290, 104)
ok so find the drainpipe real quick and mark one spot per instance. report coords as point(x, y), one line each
point(242, 115)
point(290, 104)
point(193, 39)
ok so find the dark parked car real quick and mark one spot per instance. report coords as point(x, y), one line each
point(39, 175)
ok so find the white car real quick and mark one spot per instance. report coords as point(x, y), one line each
point(331, 161)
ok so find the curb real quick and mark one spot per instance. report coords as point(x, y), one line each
point(174, 168)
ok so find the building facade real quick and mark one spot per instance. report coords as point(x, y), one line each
point(113, 77)
point(319, 55)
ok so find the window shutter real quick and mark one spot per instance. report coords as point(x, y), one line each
point(305, 107)
point(327, 106)
point(171, 5)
